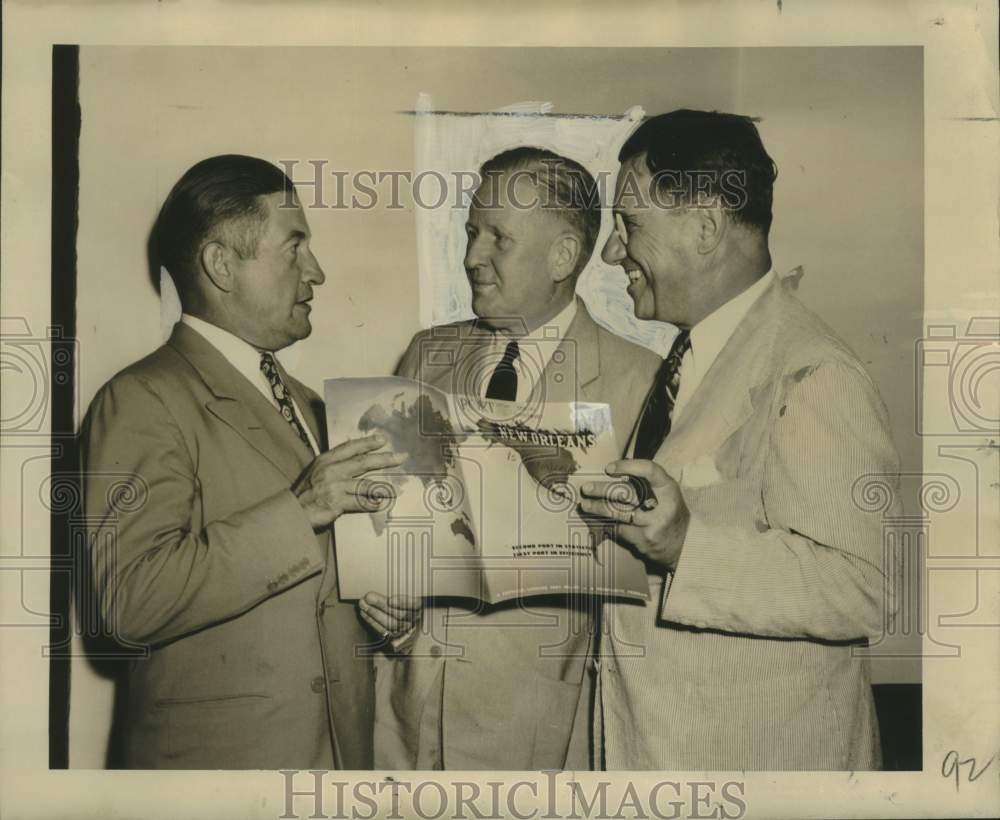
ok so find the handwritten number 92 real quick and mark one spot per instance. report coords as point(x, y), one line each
point(953, 764)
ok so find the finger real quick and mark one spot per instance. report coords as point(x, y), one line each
point(379, 492)
point(354, 447)
point(375, 618)
point(406, 603)
point(401, 605)
point(375, 499)
point(372, 461)
point(620, 494)
point(640, 467)
point(374, 625)
point(603, 509)
point(386, 621)
point(598, 489)
point(617, 513)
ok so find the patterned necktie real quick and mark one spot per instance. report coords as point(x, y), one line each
point(503, 383)
point(655, 422)
point(270, 370)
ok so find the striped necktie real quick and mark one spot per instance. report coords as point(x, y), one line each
point(269, 368)
point(654, 424)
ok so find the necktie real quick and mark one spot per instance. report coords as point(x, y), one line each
point(503, 383)
point(655, 421)
point(270, 370)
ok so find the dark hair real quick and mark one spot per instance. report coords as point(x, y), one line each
point(218, 199)
point(726, 147)
point(570, 191)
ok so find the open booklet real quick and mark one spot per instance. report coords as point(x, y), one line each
point(485, 505)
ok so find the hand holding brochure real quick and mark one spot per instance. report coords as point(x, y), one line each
point(485, 505)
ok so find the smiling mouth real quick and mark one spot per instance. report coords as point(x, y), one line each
point(633, 274)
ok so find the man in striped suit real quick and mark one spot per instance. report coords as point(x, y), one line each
point(766, 571)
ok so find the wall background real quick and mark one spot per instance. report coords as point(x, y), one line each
point(844, 126)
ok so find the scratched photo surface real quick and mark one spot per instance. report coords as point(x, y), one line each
point(380, 141)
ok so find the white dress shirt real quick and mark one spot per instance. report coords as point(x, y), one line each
point(535, 352)
point(246, 359)
point(710, 335)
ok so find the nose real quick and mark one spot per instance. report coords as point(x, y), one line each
point(312, 270)
point(614, 250)
point(475, 252)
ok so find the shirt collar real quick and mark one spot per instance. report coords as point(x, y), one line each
point(555, 328)
point(710, 335)
point(558, 325)
point(240, 354)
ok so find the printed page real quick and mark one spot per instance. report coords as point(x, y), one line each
point(524, 466)
point(428, 522)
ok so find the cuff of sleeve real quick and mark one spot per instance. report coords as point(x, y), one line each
point(699, 580)
point(302, 552)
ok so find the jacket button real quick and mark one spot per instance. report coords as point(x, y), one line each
point(435, 651)
point(317, 685)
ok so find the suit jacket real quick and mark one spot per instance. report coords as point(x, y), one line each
point(505, 685)
point(200, 551)
point(749, 661)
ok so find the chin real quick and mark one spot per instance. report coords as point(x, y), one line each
point(481, 307)
point(297, 333)
point(642, 310)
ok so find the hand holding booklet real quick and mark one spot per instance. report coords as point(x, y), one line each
point(485, 505)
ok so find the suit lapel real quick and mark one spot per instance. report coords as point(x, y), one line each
point(722, 403)
point(239, 404)
point(630, 441)
point(575, 363)
point(313, 411)
point(470, 341)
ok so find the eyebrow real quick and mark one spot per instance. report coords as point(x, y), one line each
point(488, 226)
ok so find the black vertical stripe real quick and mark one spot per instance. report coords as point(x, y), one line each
point(62, 364)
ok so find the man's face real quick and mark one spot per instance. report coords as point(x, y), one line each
point(271, 292)
point(509, 240)
point(656, 249)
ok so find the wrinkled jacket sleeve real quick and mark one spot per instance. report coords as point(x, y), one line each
point(158, 572)
point(815, 567)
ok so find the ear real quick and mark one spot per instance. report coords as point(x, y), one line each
point(711, 224)
point(215, 262)
point(564, 255)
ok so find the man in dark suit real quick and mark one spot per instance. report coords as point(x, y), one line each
point(508, 686)
point(210, 498)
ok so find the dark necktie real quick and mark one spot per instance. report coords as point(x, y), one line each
point(654, 423)
point(270, 370)
point(503, 383)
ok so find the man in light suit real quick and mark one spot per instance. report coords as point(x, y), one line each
point(209, 499)
point(766, 570)
point(508, 686)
